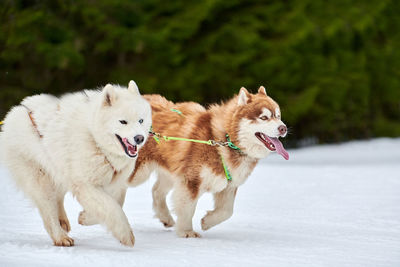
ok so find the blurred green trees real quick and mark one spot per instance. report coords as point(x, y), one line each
point(332, 65)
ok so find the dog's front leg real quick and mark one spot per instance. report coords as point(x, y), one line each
point(106, 210)
point(223, 208)
point(116, 192)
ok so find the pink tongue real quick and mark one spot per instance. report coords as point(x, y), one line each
point(279, 148)
point(130, 148)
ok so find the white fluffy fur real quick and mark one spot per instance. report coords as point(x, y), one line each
point(266, 112)
point(277, 113)
point(212, 182)
point(78, 152)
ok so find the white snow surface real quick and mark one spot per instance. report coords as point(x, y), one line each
point(333, 205)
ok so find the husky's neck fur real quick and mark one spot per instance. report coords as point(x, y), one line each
point(223, 121)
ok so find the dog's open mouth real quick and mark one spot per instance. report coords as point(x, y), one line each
point(273, 144)
point(130, 149)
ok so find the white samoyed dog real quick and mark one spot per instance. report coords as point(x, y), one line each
point(86, 143)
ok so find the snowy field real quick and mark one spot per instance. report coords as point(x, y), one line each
point(336, 205)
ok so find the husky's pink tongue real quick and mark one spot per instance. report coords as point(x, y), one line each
point(279, 148)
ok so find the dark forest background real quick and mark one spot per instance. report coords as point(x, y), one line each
point(334, 66)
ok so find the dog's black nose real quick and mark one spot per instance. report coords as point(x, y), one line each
point(139, 139)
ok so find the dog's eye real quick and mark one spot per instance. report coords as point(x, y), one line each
point(141, 121)
point(123, 122)
point(264, 118)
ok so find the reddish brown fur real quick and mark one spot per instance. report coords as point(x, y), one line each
point(185, 159)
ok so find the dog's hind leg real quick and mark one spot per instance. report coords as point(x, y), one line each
point(160, 191)
point(40, 188)
point(223, 208)
point(184, 206)
point(62, 216)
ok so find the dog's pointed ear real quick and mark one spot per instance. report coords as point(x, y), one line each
point(109, 95)
point(133, 88)
point(243, 96)
point(261, 90)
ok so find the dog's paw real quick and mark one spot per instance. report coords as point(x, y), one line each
point(64, 223)
point(188, 234)
point(65, 241)
point(82, 218)
point(213, 218)
point(204, 225)
point(128, 240)
point(169, 222)
point(85, 219)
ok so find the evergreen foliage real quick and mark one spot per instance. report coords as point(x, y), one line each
point(332, 65)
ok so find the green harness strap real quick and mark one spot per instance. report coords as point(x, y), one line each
point(168, 138)
point(177, 111)
point(157, 137)
point(209, 142)
point(230, 144)
point(227, 173)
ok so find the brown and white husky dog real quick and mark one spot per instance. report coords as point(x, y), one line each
point(253, 122)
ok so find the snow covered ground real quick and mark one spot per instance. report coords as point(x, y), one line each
point(335, 205)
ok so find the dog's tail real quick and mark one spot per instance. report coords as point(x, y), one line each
point(190, 108)
point(161, 104)
point(158, 103)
